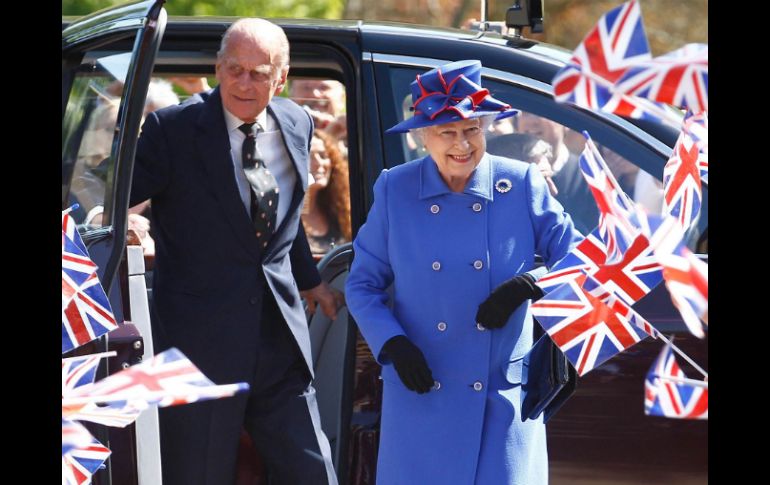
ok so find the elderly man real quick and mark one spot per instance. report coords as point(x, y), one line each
point(226, 174)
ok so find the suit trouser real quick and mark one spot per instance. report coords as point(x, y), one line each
point(280, 413)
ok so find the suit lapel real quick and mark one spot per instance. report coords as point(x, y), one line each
point(296, 147)
point(213, 144)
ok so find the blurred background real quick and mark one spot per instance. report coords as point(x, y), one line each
point(669, 23)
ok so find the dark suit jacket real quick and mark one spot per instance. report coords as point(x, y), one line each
point(210, 273)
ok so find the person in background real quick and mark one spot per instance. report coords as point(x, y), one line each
point(326, 212)
point(573, 191)
point(455, 234)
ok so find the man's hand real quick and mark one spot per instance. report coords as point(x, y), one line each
point(330, 299)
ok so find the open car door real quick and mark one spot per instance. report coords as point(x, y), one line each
point(107, 61)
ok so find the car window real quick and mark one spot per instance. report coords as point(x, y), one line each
point(88, 128)
point(326, 209)
point(546, 130)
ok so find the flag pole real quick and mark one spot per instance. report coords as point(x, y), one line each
point(684, 356)
point(101, 355)
point(684, 380)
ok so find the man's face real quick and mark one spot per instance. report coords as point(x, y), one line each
point(545, 129)
point(248, 77)
point(319, 95)
point(456, 147)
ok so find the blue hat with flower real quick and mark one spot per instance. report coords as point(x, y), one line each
point(450, 93)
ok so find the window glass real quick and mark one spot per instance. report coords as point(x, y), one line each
point(326, 209)
point(88, 128)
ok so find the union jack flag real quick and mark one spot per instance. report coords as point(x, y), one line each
point(615, 44)
point(168, 379)
point(86, 311)
point(81, 463)
point(687, 281)
point(587, 330)
point(697, 127)
point(596, 289)
point(667, 392)
point(117, 414)
point(679, 78)
point(586, 257)
point(70, 228)
point(79, 371)
point(73, 435)
point(615, 208)
point(681, 182)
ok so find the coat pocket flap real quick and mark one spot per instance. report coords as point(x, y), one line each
point(514, 370)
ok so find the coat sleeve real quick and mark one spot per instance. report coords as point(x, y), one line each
point(152, 166)
point(555, 234)
point(371, 275)
point(303, 266)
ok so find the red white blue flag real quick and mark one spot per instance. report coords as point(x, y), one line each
point(586, 257)
point(682, 182)
point(79, 464)
point(69, 227)
point(687, 281)
point(73, 435)
point(679, 78)
point(668, 393)
point(697, 127)
point(79, 371)
point(586, 329)
point(168, 379)
point(615, 207)
point(86, 311)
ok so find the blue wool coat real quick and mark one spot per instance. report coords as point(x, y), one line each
point(444, 252)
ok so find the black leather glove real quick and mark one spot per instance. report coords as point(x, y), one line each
point(498, 307)
point(409, 363)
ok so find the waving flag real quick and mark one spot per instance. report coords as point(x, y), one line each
point(615, 44)
point(687, 281)
point(596, 289)
point(73, 435)
point(681, 182)
point(79, 371)
point(86, 311)
point(70, 228)
point(615, 208)
point(697, 127)
point(117, 414)
point(586, 257)
point(668, 393)
point(587, 330)
point(81, 463)
point(679, 78)
point(168, 379)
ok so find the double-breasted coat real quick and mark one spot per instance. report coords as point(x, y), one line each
point(444, 252)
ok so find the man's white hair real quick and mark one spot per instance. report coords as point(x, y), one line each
point(265, 32)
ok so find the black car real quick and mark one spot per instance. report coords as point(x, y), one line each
point(109, 60)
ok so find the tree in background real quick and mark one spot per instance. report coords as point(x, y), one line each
point(670, 24)
point(326, 9)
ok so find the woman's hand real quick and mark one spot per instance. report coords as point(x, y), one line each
point(410, 364)
point(498, 307)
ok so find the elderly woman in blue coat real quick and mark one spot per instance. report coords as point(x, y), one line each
point(455, 233)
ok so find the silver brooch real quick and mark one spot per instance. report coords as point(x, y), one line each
point(503, 185)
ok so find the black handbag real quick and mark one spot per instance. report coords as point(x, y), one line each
point(548, 380)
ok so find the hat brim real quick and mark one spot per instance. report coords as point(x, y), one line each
point(446, 117)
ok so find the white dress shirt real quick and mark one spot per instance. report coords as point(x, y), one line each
point(277, 160)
